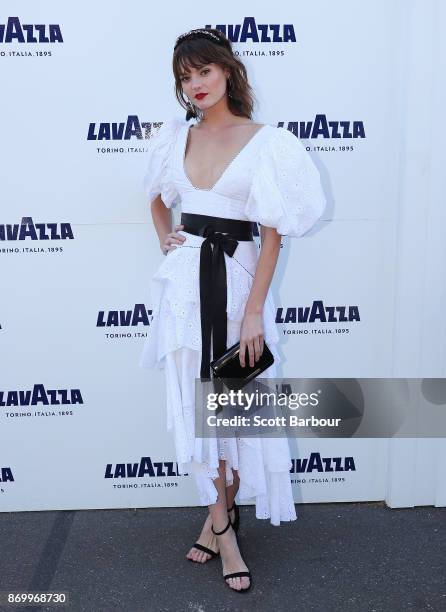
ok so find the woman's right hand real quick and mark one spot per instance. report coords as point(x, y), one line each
point(171, 239)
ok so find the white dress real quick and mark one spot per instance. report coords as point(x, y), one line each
point(272, 181)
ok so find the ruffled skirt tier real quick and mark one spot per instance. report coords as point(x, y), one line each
point(174, 344)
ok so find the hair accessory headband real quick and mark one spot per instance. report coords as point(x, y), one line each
point(199, 33)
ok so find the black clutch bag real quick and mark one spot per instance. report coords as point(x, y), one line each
point(228, 368)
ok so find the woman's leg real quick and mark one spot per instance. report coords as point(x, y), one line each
point(207, 538)
point(229, 550)
point(231, 492)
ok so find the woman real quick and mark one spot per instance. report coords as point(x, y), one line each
point(227, 171)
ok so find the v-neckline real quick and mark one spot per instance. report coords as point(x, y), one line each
point(220, 178)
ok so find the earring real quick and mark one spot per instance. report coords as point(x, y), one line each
point(229, 87)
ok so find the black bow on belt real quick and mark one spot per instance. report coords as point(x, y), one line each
point(213, 294)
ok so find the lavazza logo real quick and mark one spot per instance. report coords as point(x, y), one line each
point(321, 467)
point(39, 235)
point(144, 473)
point(317, 312)
point(14, 31)
point(326, 129)
point(137, 316)
point(6, 475)
point(249, 31)
point(39, 401)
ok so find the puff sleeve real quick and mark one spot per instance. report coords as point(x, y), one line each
point(157, 179)
point(286, 191)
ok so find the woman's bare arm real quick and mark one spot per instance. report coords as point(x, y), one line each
point(162, 220)
point(252, 333)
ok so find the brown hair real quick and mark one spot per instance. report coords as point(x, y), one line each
point(198, 51)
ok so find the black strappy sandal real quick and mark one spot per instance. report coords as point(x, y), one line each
point(235, 526)
point(234, 574)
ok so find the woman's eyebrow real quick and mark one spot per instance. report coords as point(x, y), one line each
point(198, 68)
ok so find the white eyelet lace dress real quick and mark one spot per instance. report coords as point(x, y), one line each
point(272, 181)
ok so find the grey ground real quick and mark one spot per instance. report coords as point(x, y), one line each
point(361, 557)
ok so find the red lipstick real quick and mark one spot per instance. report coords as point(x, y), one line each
point(200, 96)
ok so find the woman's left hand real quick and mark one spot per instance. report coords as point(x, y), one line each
point(251, 336)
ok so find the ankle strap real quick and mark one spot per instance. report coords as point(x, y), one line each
point(223, 531)
point(232, 507)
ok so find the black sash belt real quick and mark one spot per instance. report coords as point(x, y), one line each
point(213, 288)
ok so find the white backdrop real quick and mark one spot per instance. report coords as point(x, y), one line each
point(77, 81)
